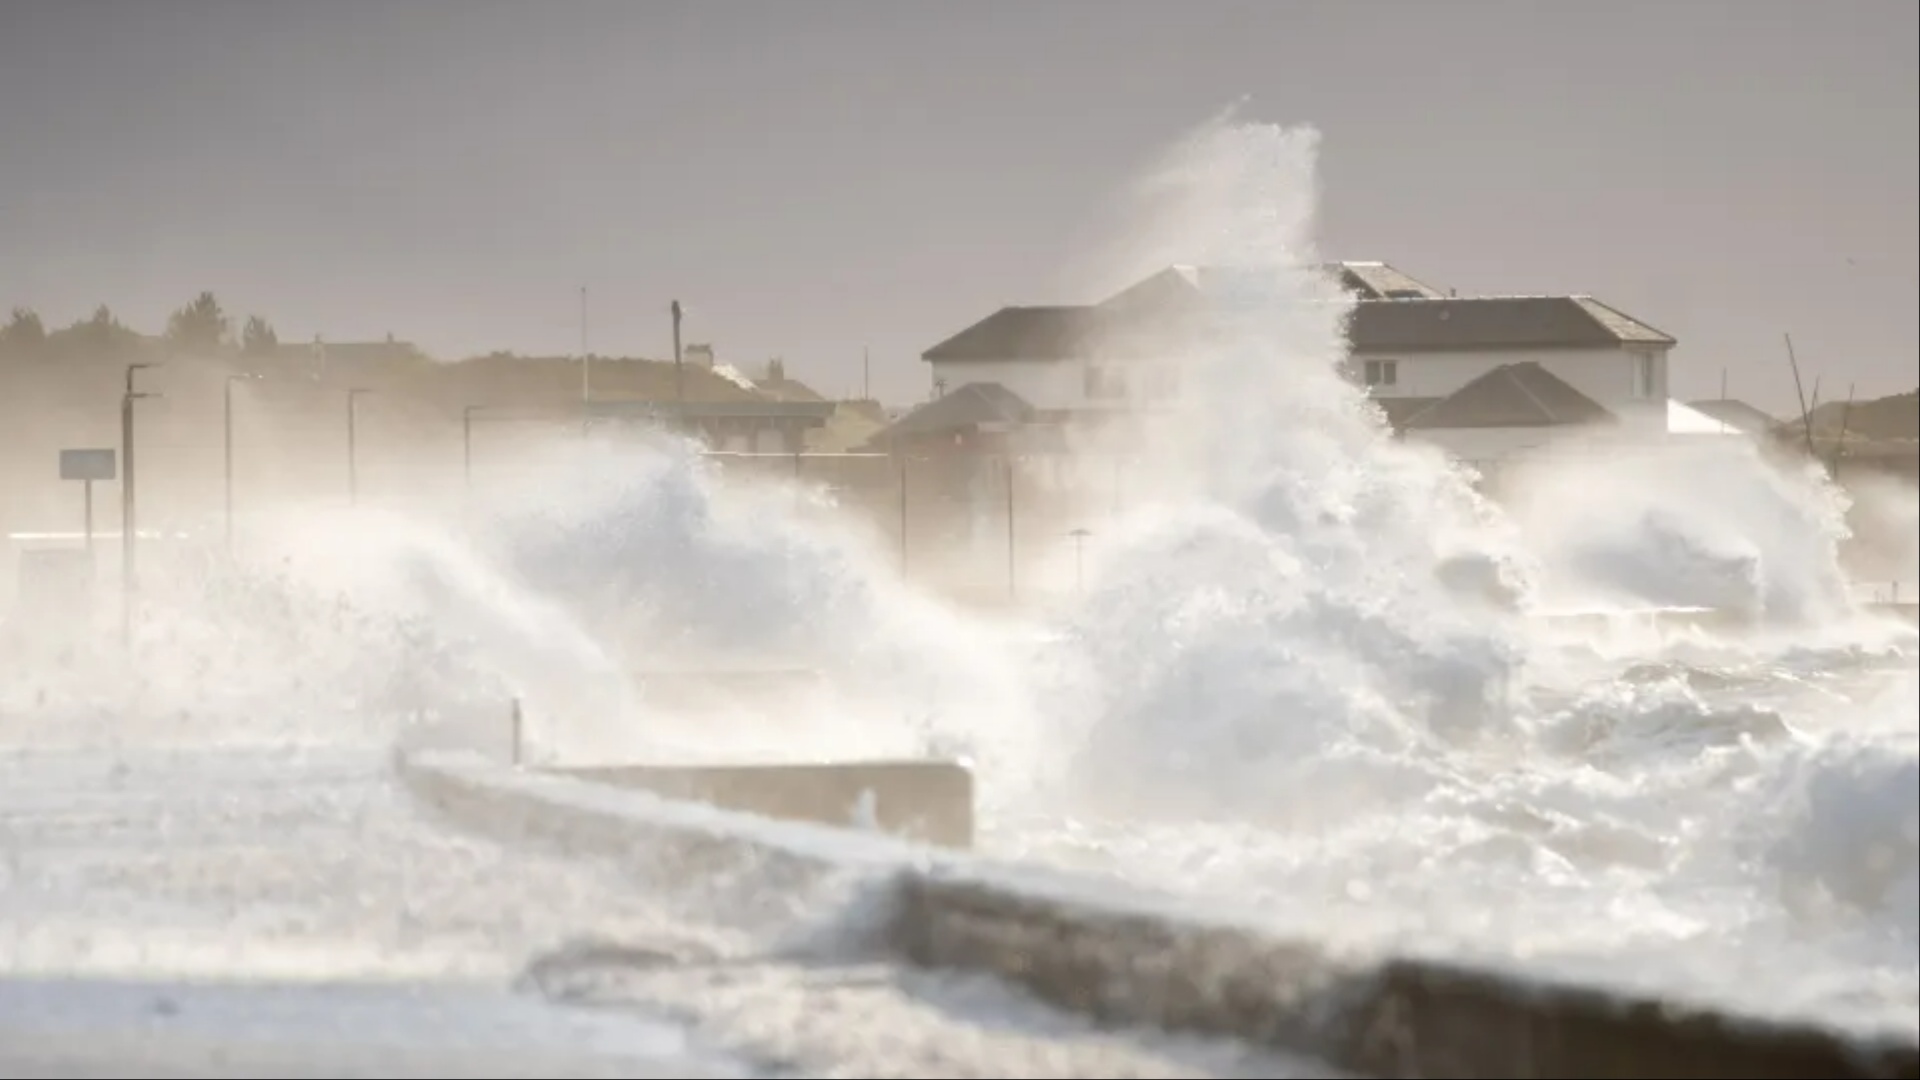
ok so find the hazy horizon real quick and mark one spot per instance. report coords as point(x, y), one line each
point(811, 181)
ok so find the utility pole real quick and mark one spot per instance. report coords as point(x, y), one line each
point(679, 375)
point(466, 445)
point(228, 449)
point(129, 528)
point(1012, 591)
point(353, 445)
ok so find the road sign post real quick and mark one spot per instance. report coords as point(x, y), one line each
point(87, 466)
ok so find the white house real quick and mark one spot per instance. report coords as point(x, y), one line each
point(1484, 376)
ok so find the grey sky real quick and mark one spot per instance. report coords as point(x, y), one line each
point(809, 176)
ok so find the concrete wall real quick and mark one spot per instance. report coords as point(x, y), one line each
point(1126, 956)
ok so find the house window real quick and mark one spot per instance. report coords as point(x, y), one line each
point(1383, 372)
point(1642, 376)
point(1106, 382)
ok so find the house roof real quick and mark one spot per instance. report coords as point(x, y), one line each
point(1394, 313)
point(1494, 323)
point(1399, 410)
point(1178, 286)
point(1024, 333)
point(1735, 414)
point(1511, 395)
point(785, 389)
point(1381, 281)
point(970, 406)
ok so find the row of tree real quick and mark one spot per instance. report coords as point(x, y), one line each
point(200, 327)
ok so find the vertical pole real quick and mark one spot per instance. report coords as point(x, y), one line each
point(227, 439)
point(679, 378)
point(1011, 591)
point(515, 726)
point(126, 517)
point(466, 448)
point(353, 448)
point(86, 488)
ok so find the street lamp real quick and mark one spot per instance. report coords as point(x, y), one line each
point(231, 379)
point(353, 444)
point(128, 526)
point(1079, 557)
point(466, 445)
point(679, 376)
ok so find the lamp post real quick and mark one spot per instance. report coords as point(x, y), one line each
point(679, 376)
point(353, 444)
point(228, 451)
point(466, 445)
point(1079, 557)
point(128, 503)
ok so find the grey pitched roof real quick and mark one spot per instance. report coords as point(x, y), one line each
point(1395, 313)
point(1024, 333)
point(1511, 395)
point(1492, 323)
point(1177, 287)
point(1399, 410)
point(970, 406)
point(1737, 415)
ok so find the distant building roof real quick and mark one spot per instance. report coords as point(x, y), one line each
point(1380, 281)
point(1489, 323)
point(1399, 410)
point(1509, 396)
point(1394, 313)
point(969, 407)
point(1024, 333)
point(1734, 414)
point(785, 389)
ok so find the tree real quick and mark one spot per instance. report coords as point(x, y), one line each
point(257, 337)
point(97, 337)
point(201, 326)
point(24, 334)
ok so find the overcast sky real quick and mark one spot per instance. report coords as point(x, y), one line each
point(814, 176)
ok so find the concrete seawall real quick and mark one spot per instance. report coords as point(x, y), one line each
point(928, 801)
point(1131, 956)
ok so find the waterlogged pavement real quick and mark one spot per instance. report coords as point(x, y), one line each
point(237, 912)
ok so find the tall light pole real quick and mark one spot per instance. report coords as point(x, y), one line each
point(128, 524)
point(1079, 557)
point(466, 445)
point(228, 451)
point(353, 444)
point(586, 361)
point(679, 378)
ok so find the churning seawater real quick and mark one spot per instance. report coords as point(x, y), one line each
point(1308, 675)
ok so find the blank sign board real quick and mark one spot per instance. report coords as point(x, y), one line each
point(87, 464)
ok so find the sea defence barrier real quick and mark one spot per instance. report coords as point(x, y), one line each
point(1131, 956)
point(927, 801)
